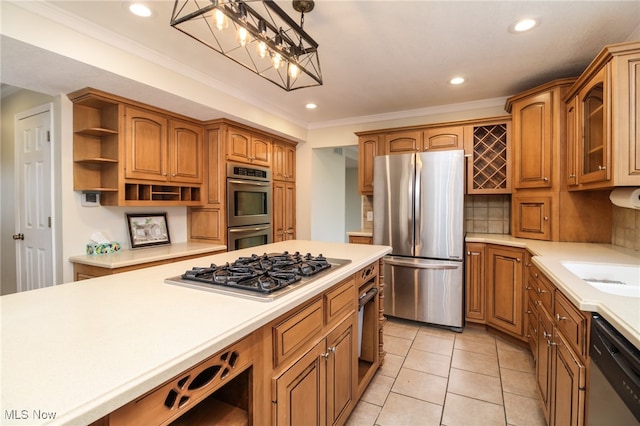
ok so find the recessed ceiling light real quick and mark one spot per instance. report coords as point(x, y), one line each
point(140, 10)
point(523, 25)
point(456, 80)
point(311, 106)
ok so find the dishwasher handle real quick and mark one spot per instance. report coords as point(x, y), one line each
point(408, 264)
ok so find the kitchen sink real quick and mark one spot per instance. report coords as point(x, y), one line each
point(621, 280)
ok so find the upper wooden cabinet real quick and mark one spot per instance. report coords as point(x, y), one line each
point(538, 132)
point(247, 147)
point(487, 146)
point(162, 149)
point(532, 125)
point(283, 165)
point(402, 142)
point(134, 154)
point(443, 138)
point(486, 141)
point(369, 147)
point(605, 104)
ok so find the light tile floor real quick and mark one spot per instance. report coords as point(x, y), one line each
point(433, 376)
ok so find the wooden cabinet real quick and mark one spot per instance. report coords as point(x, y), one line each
point(571, 145)
point(606, 103)
point(160, 149)
point(284, 191)
point(487, 146)
point(561, 352)
point(135, 155)
point(505, 289)
point(284, 161)
point(542, 207)
point(443, 138)
point(531, 217)
point(218, 376)
point(284, 211)
point(486, 141)
point(475, 287)
point(209, 222)
point(369, 146)
point(532, 128)
point(186, 151)
point(96, 149)
point(247, 147)
point(402, 142)
point(359, 239)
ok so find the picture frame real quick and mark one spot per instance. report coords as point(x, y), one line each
point(148, 229)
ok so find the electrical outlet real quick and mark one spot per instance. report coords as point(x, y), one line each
point(369, 216)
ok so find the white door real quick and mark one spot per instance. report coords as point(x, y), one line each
point(34, 240)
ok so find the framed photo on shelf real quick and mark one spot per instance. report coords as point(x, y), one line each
point(148, 229)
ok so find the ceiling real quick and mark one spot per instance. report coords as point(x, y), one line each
point(377, 57)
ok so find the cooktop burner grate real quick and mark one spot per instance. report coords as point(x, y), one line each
point(258, 275)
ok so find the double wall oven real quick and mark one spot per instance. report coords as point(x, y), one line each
point(248, 206)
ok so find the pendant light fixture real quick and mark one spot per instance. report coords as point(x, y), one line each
point(256, 34)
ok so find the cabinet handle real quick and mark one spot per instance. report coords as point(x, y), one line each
point(332, 349)
point(518, 260)
point(468, 253)
point(535, 275)
point(528, 311)
point(173, 174)
point(546, 218)
point(527, 264)
point(325, 355)
point(546, 179)
point(550, 343)
point(560, 318)
point(540, 291)
point(572, 176)
point(164, 174)
point(602, 168)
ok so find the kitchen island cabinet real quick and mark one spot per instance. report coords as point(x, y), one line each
point(114, 340)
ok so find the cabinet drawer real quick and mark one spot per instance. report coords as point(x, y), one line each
point(340, 300)
point(183, 392)
point(296, 330)
point(542, 288)
point(571, 323)
point(366, 273)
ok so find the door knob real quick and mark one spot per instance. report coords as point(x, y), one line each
point(19, 236)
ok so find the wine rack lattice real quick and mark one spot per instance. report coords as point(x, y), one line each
point(490, 157)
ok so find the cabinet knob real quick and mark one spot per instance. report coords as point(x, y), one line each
point(602, 168)
point(540, 291)
point(164, 174)
point(572, 176)
point(468, 253)
point(173, 174)
point(546, 179)
point(546, 218)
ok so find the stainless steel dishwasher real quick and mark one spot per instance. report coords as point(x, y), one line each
point(614, 388)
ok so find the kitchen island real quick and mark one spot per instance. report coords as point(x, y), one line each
point(76, 352)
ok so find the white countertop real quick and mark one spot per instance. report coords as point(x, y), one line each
point(148, 254)
point(361, 233)
point(622, 312)
point(83, 349)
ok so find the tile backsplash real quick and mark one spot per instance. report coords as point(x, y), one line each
point(487, 213)
point(483, 213)
point(626, 228)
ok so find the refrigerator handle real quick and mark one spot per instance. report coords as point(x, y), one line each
point(418, 265)
point(417, 208)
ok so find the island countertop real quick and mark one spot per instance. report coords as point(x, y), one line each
point(75, 352)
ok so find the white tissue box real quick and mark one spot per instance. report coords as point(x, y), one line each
point(103, 248)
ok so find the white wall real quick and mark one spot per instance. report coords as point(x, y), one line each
point(328, 188)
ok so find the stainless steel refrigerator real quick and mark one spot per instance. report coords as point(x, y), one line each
point(418, 210)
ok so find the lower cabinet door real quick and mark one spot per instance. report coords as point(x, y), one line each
point(569, 386)
point(341, 366)
point(300, 392)
point(505, 290)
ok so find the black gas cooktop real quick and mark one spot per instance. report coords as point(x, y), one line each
point(260, 277)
